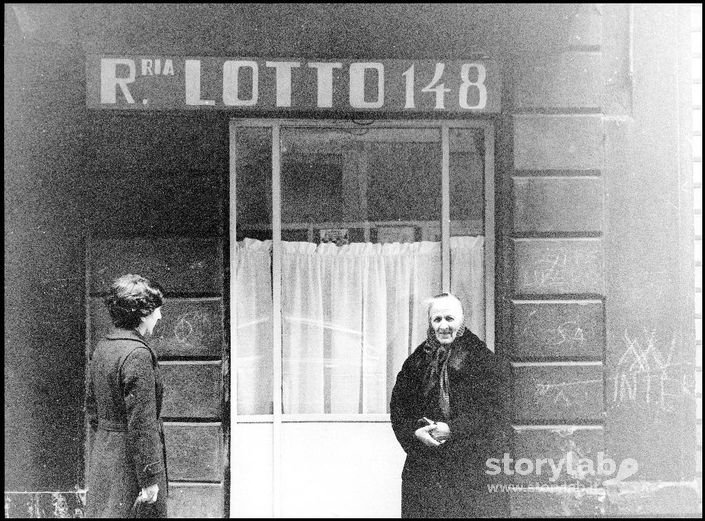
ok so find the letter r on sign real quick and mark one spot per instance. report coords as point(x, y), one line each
point(109, 80)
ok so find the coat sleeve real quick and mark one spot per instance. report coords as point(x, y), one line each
point(403, 410)
point(487, 420)
point(144, 442)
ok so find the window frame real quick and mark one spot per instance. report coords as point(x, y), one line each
point(276, 125)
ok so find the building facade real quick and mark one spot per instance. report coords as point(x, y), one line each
point(300, 178)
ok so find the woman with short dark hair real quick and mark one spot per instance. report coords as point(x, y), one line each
point(127, 475)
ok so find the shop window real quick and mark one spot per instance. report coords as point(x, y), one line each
point(341, 234)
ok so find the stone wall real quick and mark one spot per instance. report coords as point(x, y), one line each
point(600, 294)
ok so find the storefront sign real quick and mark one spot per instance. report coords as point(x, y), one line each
point(251, 84)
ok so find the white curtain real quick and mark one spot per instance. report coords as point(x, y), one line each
point(350, 316)
point(253, 330)
point(304, 317)
point(467, 280)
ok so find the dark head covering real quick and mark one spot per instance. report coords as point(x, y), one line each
point(436, 385)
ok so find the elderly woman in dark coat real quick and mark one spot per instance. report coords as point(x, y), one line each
point(127, 475)
point(447, 412)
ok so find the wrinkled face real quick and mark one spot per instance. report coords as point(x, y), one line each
point(445, 316)
point(151, 320)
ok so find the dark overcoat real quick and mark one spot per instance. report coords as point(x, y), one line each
point(123, 406)
point(451, 480)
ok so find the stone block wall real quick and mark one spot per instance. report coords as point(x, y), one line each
point(600, 296)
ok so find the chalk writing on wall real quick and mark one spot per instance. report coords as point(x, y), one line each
point(558, 329)
point(556, 393)
point(557, 268)
point(190, 326)
point(648, 373)
point(568, 332)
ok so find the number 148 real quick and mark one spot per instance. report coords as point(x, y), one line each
point(467, 87)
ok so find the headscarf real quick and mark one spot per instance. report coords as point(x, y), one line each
point(436, 377)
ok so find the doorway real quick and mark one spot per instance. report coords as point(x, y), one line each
point(339, 233)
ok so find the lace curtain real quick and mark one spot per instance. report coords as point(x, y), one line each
point(350, 316)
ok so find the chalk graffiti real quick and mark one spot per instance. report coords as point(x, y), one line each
point(546, 389)
point(188, 330)
point(568, 332)
point(650, 373)
point(197, 265)
point(577, 269)
point(189, 326)
point(558, 330)
point(647, 373)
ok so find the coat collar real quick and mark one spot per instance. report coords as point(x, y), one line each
point(117, 333)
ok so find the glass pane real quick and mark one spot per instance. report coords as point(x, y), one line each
point(467, 201)
point(253, 276)
point(359, 209)
point(467, 194)
point(253, 148)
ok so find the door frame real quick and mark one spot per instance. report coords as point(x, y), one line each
point(277, 418)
